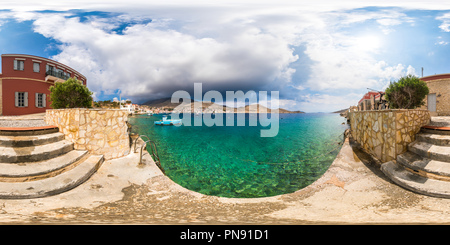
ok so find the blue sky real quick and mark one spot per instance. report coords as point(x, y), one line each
point(319, 56)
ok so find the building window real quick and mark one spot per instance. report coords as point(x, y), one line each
point(18, 65)
point(21, 99)
point(40, 100)
point(36, 67)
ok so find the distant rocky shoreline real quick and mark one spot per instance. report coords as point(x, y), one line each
point(208, 107)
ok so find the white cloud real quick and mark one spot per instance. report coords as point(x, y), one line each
point(142, 5)
point(386, 19)
point(441, 42)
point(346, 62)
point(327, 102)
point(224, 45)
point(149, 60)
point(411, 71)
point(445, 18)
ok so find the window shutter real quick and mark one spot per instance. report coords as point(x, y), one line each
point(25, 99)
point(36, 67)
point(36, 99)
point(44, 100)
point(15, 65)
point(16, 99)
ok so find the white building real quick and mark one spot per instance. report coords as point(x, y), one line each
point(128, 107)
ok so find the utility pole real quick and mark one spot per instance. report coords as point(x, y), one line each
point(120, 99)
point(422, 71)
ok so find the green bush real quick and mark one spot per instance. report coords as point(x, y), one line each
point(407, 93)
point(70, 94)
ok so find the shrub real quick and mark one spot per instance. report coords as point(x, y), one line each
point(70, 94)
point(407, 93)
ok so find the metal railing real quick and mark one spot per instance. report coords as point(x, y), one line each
point(58, 74)
point(153, 153)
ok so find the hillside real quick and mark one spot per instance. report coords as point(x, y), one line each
point(254, 109)
point(166, 102)
point(343, 112)
point(340, 111)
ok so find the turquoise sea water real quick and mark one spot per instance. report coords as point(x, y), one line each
point(234, 161)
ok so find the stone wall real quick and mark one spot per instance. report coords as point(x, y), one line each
point(102, 131)
point(387, 133)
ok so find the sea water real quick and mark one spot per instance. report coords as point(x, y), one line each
point(234, 161)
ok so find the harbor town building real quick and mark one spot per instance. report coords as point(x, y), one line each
point(25, 81)
point(438, 98)
point(371, 101)
point(437, 102)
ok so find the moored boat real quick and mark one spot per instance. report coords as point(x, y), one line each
point(168, 122)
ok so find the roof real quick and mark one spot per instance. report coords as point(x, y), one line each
point(370, 93)
point(45, 59)
point(435, 77)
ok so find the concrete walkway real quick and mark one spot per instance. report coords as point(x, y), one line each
point(30, 120)
point(352, 191)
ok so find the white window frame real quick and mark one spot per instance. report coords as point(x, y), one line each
point(40, 100)
point(38, 66)
point(19, 65)
point(21, 99)
point(49, 67)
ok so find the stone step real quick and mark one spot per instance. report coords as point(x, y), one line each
point(438, 169)
point(37, 170)
point(34, 140)
point(434, 130)
point(21, 131)
point(34, 153)
point(54, 185)
point(434, 152)
point(440, 121)
point(416, 183)
point(435, 139)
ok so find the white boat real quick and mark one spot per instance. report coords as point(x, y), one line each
point(168, 122)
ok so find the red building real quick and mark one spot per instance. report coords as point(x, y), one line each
point(25, 81)
point(369, 101)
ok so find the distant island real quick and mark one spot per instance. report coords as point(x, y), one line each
point(341, 111)
point(208, 107)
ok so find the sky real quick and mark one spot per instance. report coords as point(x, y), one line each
point(321, 56)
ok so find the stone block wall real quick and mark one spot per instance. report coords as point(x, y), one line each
point(387, 133)
point(101, 131)
point(440, 87)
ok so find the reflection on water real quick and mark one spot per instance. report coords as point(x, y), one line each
point(234, 161)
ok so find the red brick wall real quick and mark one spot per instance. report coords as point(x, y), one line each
point(27, 81)
point(10, 86)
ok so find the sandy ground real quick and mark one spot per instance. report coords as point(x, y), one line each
point(352, 191)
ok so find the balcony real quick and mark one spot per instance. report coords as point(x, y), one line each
point(56, 76)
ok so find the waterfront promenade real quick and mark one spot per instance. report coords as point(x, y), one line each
point(352, 191)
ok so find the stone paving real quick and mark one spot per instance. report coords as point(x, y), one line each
point(31, 120)
point(352, 191)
